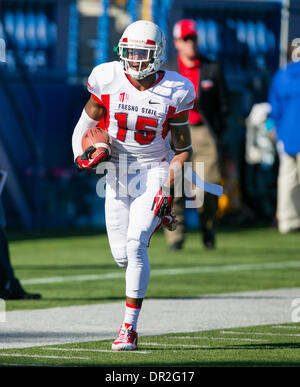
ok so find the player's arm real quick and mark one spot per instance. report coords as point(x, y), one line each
point(94, 110)
point(181, 138)
point(92, 113)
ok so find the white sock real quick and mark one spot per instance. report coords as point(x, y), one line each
point(132, 314)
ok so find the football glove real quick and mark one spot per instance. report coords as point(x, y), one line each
point(163, 202)
point(169, 221)
point(83, 162)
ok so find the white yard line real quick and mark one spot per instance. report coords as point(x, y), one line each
point(261, 334)
point(93, 350)
point(215, 338)
point(286, 327)
point(177, 271)
point(176, 345)
point(42, 356)
point(87, 277)
point(33, 365)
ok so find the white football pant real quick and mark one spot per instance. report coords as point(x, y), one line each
point(130, 222)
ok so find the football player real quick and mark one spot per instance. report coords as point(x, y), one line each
point(139, 104)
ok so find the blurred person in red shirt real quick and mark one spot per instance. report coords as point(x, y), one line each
point(207, 121)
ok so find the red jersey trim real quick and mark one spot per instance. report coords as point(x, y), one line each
point(106, 99)
point(180, 114)
point(171, 114)
point(104, 102)
point(165, 125)
point(98, 100)
point(193, 102)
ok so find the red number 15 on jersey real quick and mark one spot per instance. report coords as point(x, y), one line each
point(143, 132)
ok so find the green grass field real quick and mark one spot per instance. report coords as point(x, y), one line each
point(245, 259)
point(262, 346)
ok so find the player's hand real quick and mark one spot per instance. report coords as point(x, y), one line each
point(83, 162)
point(169, 221)
point(163, 202)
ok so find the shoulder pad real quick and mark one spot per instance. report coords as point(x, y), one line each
point(108, 75)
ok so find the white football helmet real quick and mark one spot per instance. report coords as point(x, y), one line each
point(141, 49)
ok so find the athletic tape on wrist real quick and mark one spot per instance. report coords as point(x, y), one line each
point(183, 149)
point(179, 123)
point(103, 145)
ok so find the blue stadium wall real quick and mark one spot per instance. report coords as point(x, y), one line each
point(41, 101)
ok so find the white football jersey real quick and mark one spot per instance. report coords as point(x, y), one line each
point(137, 121)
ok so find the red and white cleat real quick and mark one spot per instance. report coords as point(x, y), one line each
point(126, 340)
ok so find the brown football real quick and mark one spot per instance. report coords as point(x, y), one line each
point(98, 138)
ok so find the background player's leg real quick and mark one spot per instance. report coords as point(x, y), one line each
point(205, 150)
point(288, 214)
